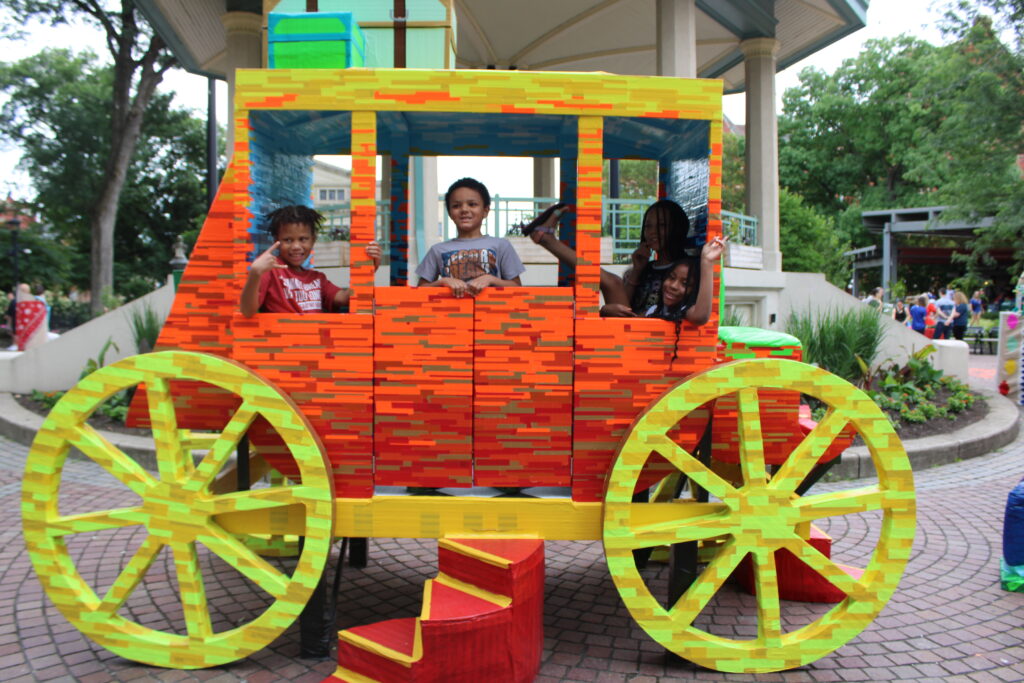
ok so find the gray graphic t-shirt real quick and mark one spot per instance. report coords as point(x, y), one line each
point(465, 259)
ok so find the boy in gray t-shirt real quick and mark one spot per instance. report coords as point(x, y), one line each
point(471, 261)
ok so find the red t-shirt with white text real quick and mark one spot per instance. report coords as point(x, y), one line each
point(285, 290)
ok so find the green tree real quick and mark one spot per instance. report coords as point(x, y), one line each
point(808, 240)
point(734, 173)
point(139, 60)
point(57, 112)
point(982, 136)
point(855, 136)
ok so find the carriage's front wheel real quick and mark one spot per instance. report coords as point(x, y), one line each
point(175, 514)
point(757, 518)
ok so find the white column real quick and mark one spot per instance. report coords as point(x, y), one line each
point(763, 145)
point(677, 38)
point(544, 177)
point(244, 51)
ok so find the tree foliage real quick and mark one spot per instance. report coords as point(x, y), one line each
point(139, 61)
point(734, 174)
point(808, 240)
point(58, 113)
point(908, 124)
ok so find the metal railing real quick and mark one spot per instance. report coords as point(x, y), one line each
point(740, 229)
point(337, 224)
point(621, 219)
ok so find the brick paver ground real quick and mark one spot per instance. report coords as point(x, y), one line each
point(949, 620)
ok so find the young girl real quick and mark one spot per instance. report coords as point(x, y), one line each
point(280, 284)
point(685, 293)
point(472, 261)
point(918, 314)
point(665, 231)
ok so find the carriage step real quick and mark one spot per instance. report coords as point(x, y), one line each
point(796, 580)
point(481, 618)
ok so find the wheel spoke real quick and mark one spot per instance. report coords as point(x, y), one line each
point(769, 614)
point(648, 525)
point(192, 590)
point(130, 576)
point(172, 461)
point(112, 459)
point(835, 575)
point(704, 587)
point(751, 442)
point(259, 499)
point(847, 502)
point(806, 455)
point(254, 567)
point(95, 521)
point(693, 468)
point(222, 448)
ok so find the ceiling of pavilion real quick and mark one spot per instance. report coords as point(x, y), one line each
point(617, 36)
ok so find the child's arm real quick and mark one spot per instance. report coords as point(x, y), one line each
point(699, 313)
point(640, 257)
point(374, 252)
point(250, 301)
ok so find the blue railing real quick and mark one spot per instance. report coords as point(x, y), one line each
point(621, 219)
point(740, 229)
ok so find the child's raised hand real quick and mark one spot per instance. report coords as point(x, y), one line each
point(374, 252)
point(640, 256)
point(266, 261)
point(713, 250)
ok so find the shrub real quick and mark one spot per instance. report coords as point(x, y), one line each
point(835, 340)
point(146, 326)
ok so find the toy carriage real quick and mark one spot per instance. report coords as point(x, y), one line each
point(607, 435)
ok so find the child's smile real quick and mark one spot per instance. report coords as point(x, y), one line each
point(673, 287)
point(296, 243)
point(467, 210)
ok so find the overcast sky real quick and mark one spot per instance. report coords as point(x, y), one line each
point(513, 177)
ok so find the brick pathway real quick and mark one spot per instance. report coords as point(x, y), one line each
point(949, 621)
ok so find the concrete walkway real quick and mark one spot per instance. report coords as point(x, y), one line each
point(948, 621)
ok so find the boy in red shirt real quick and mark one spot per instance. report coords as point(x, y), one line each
point(279, 284)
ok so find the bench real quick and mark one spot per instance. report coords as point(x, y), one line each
point(979, 340)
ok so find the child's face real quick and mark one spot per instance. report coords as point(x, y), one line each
point(654, 228)
point(673, 287)
point(466, 209)
point(297, 240)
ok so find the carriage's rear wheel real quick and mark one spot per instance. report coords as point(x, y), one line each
point(177, 512)
point(758, 518)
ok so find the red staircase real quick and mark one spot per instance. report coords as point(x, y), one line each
point(482, 619)
point(797, 581)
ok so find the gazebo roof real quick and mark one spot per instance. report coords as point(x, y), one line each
point(617, 36)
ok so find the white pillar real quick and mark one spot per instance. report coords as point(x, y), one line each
point(763, 145)
point(544, 177)
point(243, 51)
point(677, 38)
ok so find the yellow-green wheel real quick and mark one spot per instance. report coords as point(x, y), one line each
point(178, 511)
point(757, 518)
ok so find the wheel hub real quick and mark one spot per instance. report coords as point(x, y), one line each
point(174, 514)
point(765, 517)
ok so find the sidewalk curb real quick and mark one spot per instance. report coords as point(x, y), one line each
point(999, 428)
point(20, 425)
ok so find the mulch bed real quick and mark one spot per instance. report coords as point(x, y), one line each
point(97, 420)
point(939, 425)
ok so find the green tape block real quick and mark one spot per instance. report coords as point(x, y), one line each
point(318, 54)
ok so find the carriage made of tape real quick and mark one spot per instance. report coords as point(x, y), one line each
point(604, 435)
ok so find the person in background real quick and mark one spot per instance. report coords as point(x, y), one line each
point(874, 300)
point(961, 311)
point(918, 313)
point(944, 317)
point(976, 307)
point(899, 311)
